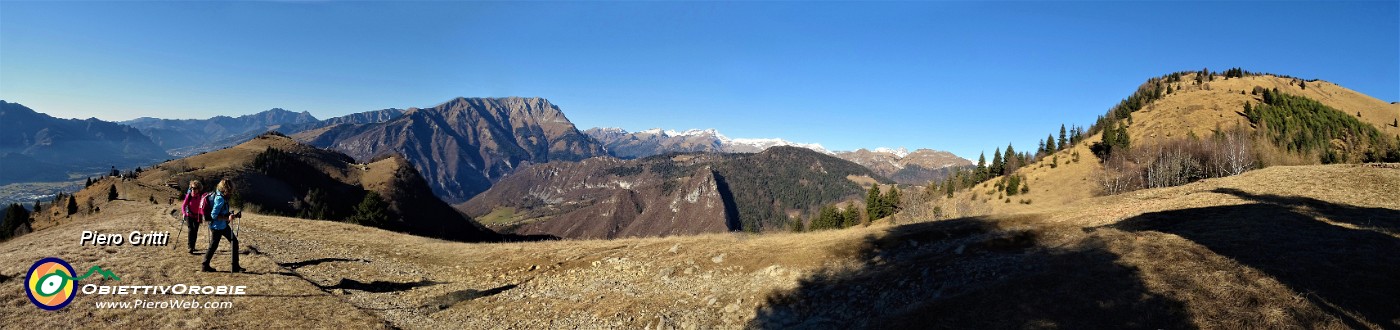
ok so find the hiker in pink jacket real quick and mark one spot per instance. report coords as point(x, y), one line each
point(193, 210)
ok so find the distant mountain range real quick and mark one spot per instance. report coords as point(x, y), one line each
point(670, 194)
point(629, 145)
point(183, 137)
point(918, 167)
point(39, 147)
point(462, 147)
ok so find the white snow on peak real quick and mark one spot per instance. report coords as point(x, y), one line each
point(617, 130)
point(697, 132)
point(764, 144)
point(901, 152)
point(733, 145)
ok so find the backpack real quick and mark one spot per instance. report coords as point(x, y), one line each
point(206, 201)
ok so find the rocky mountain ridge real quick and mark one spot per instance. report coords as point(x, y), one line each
point(905, 167)
point(38, 147)
point(915, 168)
point(466, 144)
point(184, 137)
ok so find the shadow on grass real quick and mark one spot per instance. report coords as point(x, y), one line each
point(378, 286)
point(452, 298)
point(970, 274)
point(299, 264)
point(1353, 274)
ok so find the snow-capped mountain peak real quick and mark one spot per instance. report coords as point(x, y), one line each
point(697, 132)
point(763, 144)
point(723, 143)
point(901, 152)
point(611, 130)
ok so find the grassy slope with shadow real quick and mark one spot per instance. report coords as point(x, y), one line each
point(1304, 243)
point(452, 298)
point(973, 273)
point(378, 286)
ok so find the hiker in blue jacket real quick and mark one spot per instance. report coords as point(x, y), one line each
point(219, 216)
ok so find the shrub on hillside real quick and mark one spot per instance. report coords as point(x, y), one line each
point(16, 217)
point(1179, 161)
point(372, 211)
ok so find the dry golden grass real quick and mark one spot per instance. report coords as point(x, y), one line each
point(1199, 255)
point(1282, 247)
point(1192, 108)
point(1196, 109)
point(274, 300)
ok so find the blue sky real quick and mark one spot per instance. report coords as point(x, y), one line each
point(960, 76)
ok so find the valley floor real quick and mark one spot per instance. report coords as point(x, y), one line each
point(1310, 247)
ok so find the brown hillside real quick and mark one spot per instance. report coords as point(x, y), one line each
point(1196, 108)
point(1191, 108)
point(1266, 249)
point(676, 194)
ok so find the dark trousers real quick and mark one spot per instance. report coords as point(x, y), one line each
point(214, 235)
point(193, 224)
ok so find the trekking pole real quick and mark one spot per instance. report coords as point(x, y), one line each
point(179, 227)
point(238, 232)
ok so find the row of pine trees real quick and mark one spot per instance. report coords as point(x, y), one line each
point(878, 205)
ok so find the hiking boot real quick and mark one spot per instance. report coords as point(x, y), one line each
point(208, 269)
point(193, 251)
point(237, 269)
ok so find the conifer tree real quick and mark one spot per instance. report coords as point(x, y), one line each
point(112, 192)
point(1050, 144)
point(1007, 160)
point(851, 217)
point(72, 205)
point(891, 202)
point(981, 166)
point(15, 215)
point(372, 211)
point(998, 165)
point(1013, 185)
point(873, 202)
point(795, 224)
point(949, 186)
point(1062, 137)
point(823, 220)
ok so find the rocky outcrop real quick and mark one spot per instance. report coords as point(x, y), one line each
point(367, 117)
point(464, 145)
